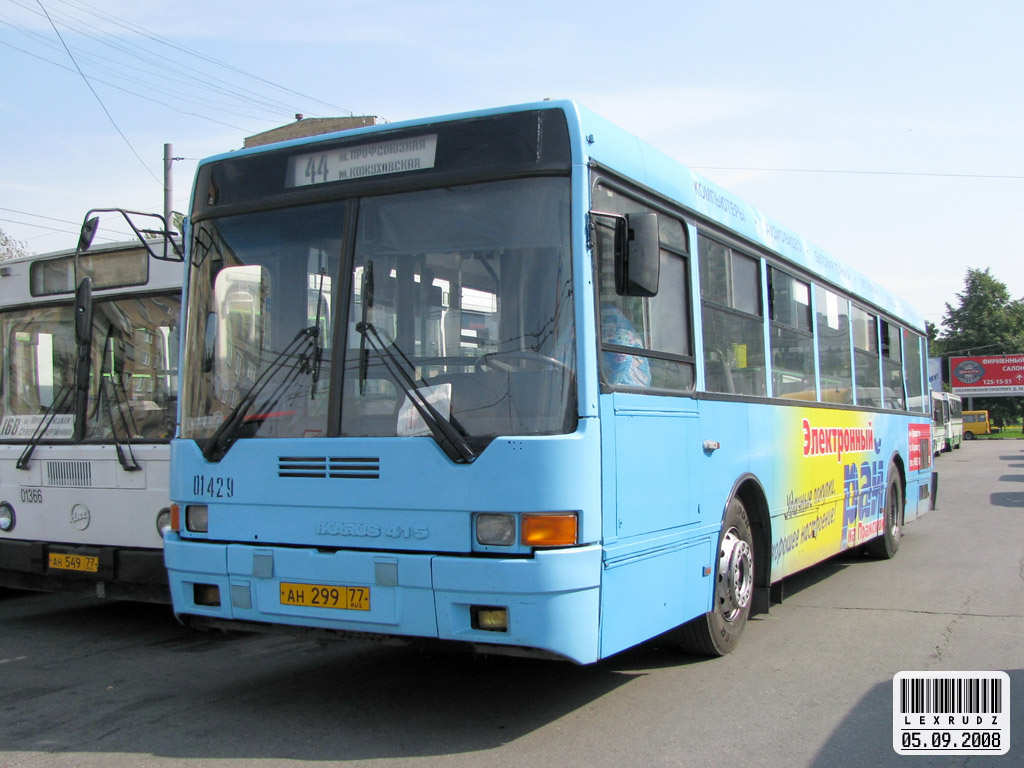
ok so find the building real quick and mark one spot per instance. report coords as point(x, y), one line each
point(308, 126)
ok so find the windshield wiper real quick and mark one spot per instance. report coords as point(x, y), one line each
point(318, 352)
point(106, 380)
point(367, 302)
point(226, 434)
point(80, 386)
point(37, 436)
point(451, 439)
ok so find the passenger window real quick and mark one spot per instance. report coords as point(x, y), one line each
point(730, 287)
point(792, 344)
point(913, 365)
point(834, 353)
point(646, 343)
point(865, 358)
point(892, 368)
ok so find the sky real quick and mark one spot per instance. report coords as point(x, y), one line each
point(887, 133)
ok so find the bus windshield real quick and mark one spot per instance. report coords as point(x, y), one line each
point(459, 295)
point(131, 391)
point(39, 370)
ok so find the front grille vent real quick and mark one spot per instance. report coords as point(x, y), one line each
point(329, 467)
point(69, 474)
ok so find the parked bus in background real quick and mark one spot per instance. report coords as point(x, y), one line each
point(956, 422)
point(947, 422)
point(87, 411)
point(976, 423)
point(940, 422)
point(515, 379)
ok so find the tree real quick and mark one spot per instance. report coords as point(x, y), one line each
point(985, 322)
point(11, 248)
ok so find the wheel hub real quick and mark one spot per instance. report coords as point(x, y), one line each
point(735, 575)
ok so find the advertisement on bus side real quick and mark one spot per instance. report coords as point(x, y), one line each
point(834, 479)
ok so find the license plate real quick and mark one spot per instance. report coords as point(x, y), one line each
point(326, 596)
point(68, 562)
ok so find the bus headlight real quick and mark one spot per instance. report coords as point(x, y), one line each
point(7, 519)
point(496, 530)
point(197, 518)
point(163, 521)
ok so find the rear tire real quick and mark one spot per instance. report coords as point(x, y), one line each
point(718, 632)
point(885, 546)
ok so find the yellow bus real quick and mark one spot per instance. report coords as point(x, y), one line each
point(976, 423)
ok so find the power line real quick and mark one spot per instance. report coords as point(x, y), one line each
point(98, 99)
point(862, 173)
point(202, 56)
point(192, 80)
point(134, 93)
point(50, 229)
point(39, 216)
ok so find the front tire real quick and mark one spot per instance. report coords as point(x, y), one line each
point(885, 546)
point(718, 632)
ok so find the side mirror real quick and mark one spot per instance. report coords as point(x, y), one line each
point(87, 234)
point(637, 255)
point(83, 311)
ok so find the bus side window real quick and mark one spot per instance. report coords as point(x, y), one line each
point(730, 288)
point(792, 343)
point(866, 368)
point(834, 352)
point(646, 341)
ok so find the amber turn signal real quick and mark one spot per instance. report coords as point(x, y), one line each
point(559, 530)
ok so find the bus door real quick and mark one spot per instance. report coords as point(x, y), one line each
point(649, 434)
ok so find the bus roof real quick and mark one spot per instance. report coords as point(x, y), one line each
point(20, 283)
point(595, 139)
point(125, 245)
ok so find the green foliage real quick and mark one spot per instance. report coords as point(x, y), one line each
point(11, 248)
point(986, 321)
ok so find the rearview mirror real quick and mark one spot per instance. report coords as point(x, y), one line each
point(87, 234)
point(83, 311)
point(637, 255)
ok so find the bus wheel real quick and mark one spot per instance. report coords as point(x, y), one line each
point(968, 435)
point(716, 633)
point(885, 546)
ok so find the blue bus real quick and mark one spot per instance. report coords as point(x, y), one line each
point(516, 380)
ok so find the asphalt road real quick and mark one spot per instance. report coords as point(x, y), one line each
point(91, 683)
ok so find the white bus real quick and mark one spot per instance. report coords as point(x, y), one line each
point(947, 422)
point(88, 398)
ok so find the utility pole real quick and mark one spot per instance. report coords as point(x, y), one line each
point(168, 185)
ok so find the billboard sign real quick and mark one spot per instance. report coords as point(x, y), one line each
point(990, 376)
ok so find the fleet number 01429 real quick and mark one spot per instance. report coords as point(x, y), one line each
point(213, 486)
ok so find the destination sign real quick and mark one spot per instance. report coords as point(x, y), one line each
point(350, 163)
point(61, 427)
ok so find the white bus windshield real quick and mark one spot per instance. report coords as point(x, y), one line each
point(133, 376)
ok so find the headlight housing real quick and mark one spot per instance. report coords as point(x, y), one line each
point(197, 518)
point(7, 517)
point(494, 530)
point(163, 521)
point(534, 529)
